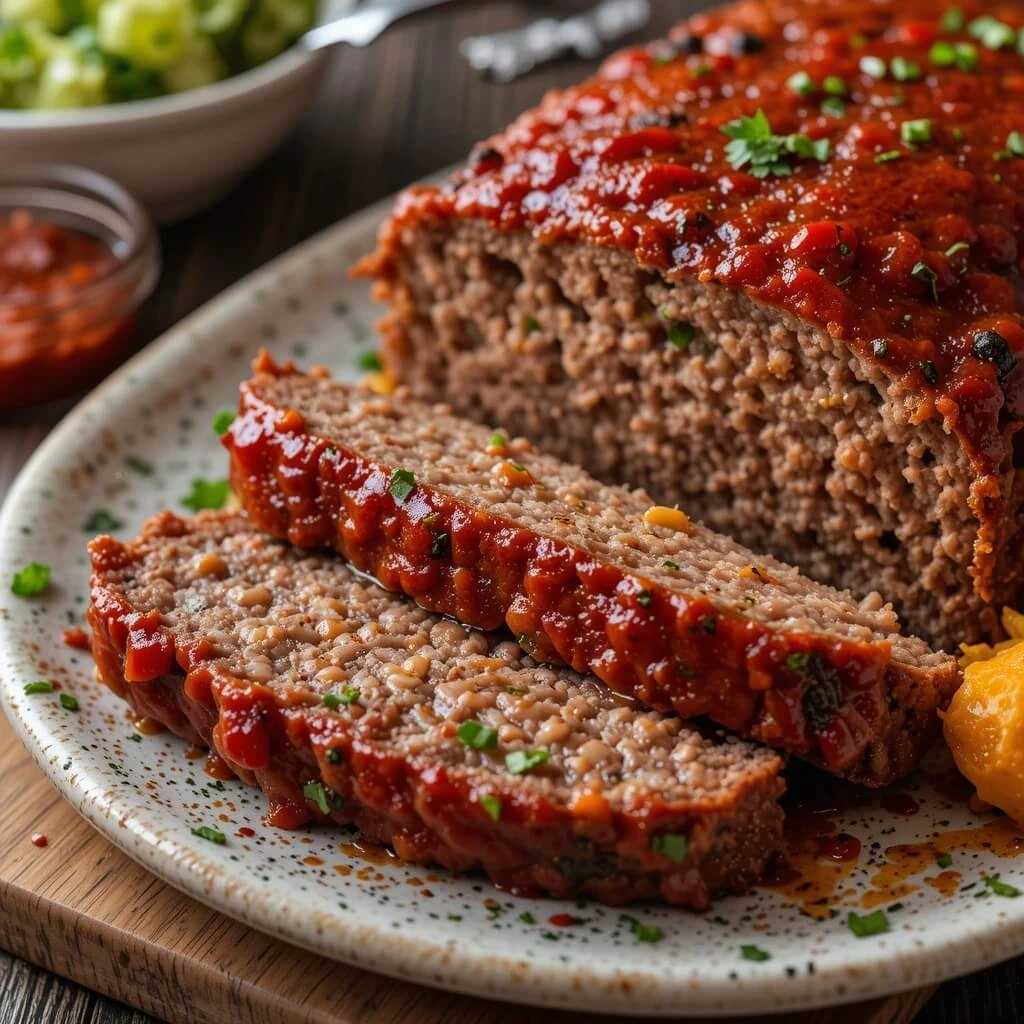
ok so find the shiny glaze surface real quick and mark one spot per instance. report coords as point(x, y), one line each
point(909, 250)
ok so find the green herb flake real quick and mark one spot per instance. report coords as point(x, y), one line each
point(833, 106)
point(753, 144)
point(755, 953)
point(527, 918)
point(138, 465)
point(338, 700)
point(527, 643)
point(492, 805)
point(207, 494)
point(800, 83)
point(916, 131)
point(798, 661)
point(31, 581)
point(925, 273)
point(888, 156)
point(1001, 888)
point(669, 564)
point(681, 334)
point(904, 70)
point(39, 686)
point(332, 756)
point(945, 860)
point(519, 762)
point(497, 440)
point(834, 85)
point(477, 736)
point(222, 421)
point(517, 691)
point(671, 845)
point(69, 702)
point(369, 362)
point(991, 32)
point(643, 932)
point(402, 484)
point(873, 66)
point(644, 599)
point(942, 54)
point(880, 347)
point(867, 925)
point(952, 20)
point(966, 56)
point(325, 799)
point(1015, 143)
point(956, 247)
point(530, 324)
point(101, 521)
point(929, 371)
point(135, 737)
point(440, 546)
point(210, 835)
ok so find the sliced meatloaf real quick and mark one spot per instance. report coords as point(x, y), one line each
point(803, 324)
point(479, 526)
point(348, 704)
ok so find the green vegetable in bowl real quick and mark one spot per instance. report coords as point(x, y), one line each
point(57, 54)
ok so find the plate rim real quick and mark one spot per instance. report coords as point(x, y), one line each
point(440, 965)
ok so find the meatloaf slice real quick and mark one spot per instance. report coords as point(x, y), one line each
point(479, 526)
point(348, 704)
point(825, 357)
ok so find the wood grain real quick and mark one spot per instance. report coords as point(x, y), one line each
point(82, 909)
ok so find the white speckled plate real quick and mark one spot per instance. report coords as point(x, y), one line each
point(132, 449)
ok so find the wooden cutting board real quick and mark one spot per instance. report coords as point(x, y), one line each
point(81, 908)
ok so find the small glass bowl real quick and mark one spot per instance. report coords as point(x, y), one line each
point(55, 343)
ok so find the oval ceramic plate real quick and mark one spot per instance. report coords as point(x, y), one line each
point(135, 447)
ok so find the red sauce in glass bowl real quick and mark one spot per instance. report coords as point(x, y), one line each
point(67, 309)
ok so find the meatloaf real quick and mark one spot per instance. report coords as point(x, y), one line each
point(477, 525)
point(351, 705)
point(770, 269)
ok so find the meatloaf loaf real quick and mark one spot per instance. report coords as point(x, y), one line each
point(479, 526)
point(770, 269)
point(348, 704)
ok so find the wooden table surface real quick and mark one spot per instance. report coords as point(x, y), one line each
point(384, 117)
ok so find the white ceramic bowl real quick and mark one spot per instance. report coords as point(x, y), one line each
point(176, 153)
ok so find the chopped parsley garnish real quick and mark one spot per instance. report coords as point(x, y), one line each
point(801, 83)
point(1001, 888)
point(643, 932)
point(644, 598)
point(101, 521)
point(1015, 143)
point(834, 85)
point(369, 362)
point(671, 845)
point(325, 799)
point(222, 421)
point(210, 835)
point(798, 661)
point(492, 805)
point(31, 581)
point(919, 130)
point(518, 466)
point(880, 347)
point(944, 54)
point(527, 918)
point(945, 860)
point(519, 762)
point(527, 643)
point(870, 924)
point(952, 20)
point(497, 440)
point(69, 702)
point(440, 546)
point(956, 247)
point(337, 700)
point(833, 106)
point(669, 564)
point(904, 70)
point(477, 736)
point(929, 371)
point(991, 32)
point(137, 465)
point(925, 273)
point(207, 494)
point(888, 156)
point(681, 333)
point(402, 484)
point(332, 756)
point(39, 686)
point(516, 691)
point(873, 66)
point(709, 624)
point(530, 324)
point(753, 144)
point(755, 953)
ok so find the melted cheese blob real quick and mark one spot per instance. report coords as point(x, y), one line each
point(984, 725)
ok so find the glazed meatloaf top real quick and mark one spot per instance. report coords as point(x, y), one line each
point(482, 527)
point(394, 707)
point(858, 164)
